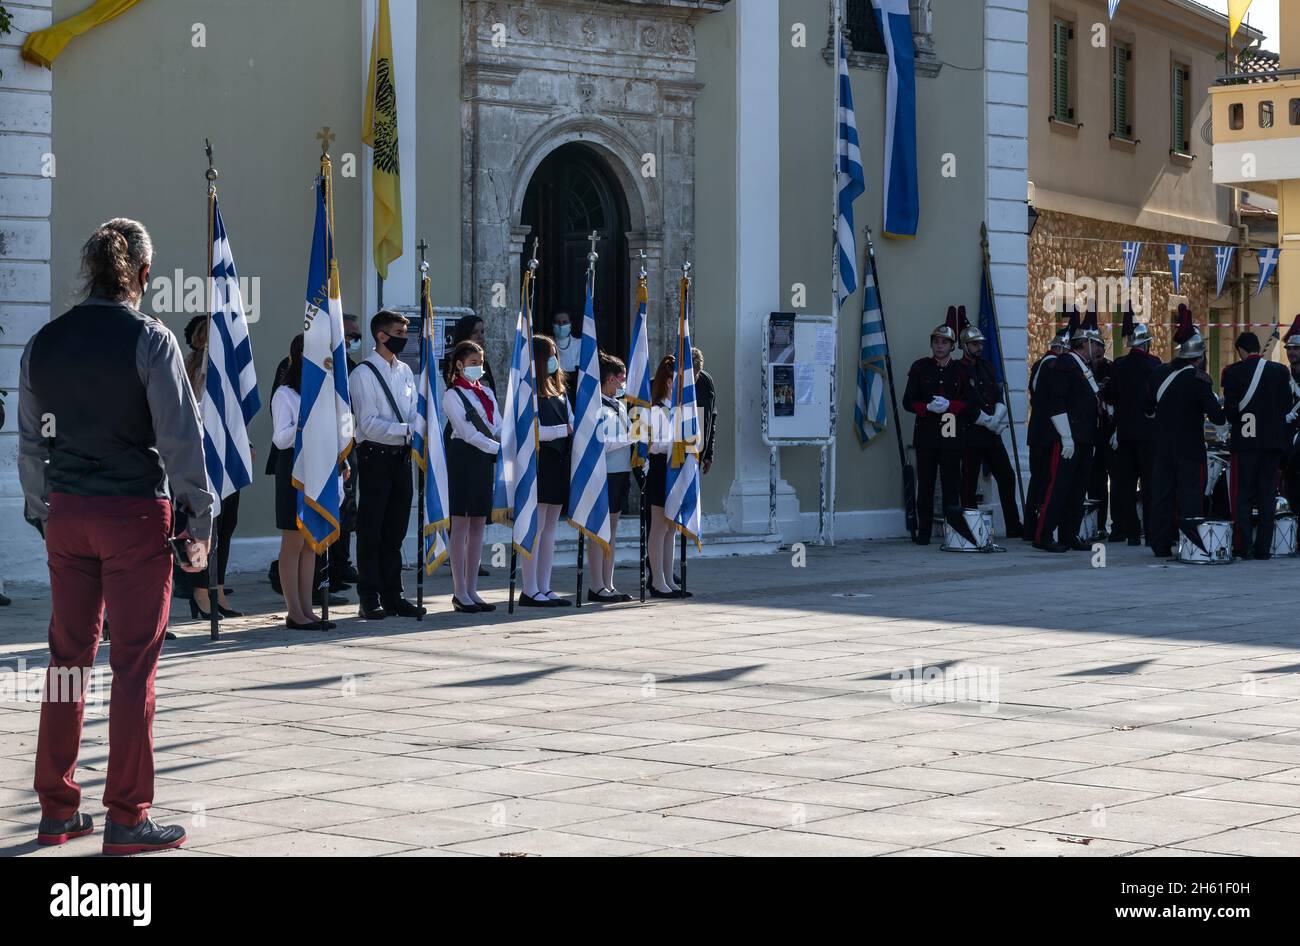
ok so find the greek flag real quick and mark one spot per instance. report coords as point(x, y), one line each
point(516, 474)
point(324, 417)
point(588, 480)
point(850, 184)
point(1222, 263)
point(230, 396)
point(426, 444)
point(1177, 253)
point(902, 202)
point(870, 414)
point(1114, 5)
point(682, 507)
point(1267, 263)
point(638, 377)
point(1132, 250)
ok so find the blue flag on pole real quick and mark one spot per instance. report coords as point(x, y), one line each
point(871, 412)
point(588, 479)
point(515, 494)
point(638, 377)
point(850, 183)
point(989, 328)
point(230, 397)
point(426, 443)
point(325, 423)
point(902, 198)
point(682, 506)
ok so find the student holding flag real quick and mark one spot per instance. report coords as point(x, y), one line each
point(660, 438)
point(473, 442)
point(616, 433)
point(555, 436)
point(682, 476)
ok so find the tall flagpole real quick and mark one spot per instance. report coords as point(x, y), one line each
point(681, 387)
point(827, 536)
point(592, 256)
point(641, 279)
point(214, 629)
point(426, 356)
point(526, 305)
point(1002, 357)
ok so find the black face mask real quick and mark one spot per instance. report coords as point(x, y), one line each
point(396, 344)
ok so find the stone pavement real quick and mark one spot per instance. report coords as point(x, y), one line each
point(1046, 707)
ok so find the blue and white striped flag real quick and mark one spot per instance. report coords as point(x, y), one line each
point(1222, 263)
point(637, 395)
point(902, 197)
point(1177, 253)
point(850, 183)
point(1132, 250)
point(325, 421)
point(426, 443)
point(230, 397)
point(870, 414)
point(515, 494)
point(682, 506)
point(1114, 5)
point(588, 479)
point(1267, 263)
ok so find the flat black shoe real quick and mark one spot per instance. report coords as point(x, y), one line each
point(52, 831)
point(528, 601)
point(403, 608)
point(656, 593)
point(457, 605)
point(293, 625)
point(557, 602)
point(372, 611)
point(485, 607)
point(145, 837)
point(346, 573)
point(5, 601)
point(683, 593)
point(229, 612)
point(1050, 547)
point(599, 597)
point(921, 539)
point(1077, 546)
point(483, 572)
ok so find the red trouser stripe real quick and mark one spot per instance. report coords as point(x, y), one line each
point(1047, 494)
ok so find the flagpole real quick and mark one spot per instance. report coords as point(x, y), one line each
point(681, 384)
point(214, 628)
point(592, 257)
point(909, 474)
point(1002, 357)
point(426, 357)
point(641, 482)
point(826, 531)
point(526, 304)
point(327, 182)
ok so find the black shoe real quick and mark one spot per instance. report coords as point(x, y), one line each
point(485, 607)
point(198, 614)
point(528, 601)
point(1163, 553)
point(656, 593)
point(403, 608)
point(557, 602)
point(599, 597)
point(52, 831)
point(5, 601)
point(470, 608)
point(293, 625)
point(1050, 547)
point(483, 572)
point(229, 612)
point(335, 600)
point(371, 611)
point(921, 539)
point(143, 838)
point(345, 572)
point(1263, 556)
point(1077, 546)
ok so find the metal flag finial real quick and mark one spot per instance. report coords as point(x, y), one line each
point(211, 172)
point(643, 272)
point(325, 136)
point(423, 246)
point(686, 270)
point(592, 256)
point(532, 262)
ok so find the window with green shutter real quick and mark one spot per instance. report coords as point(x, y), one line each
point(1181, 85)
point(1121, 111)
point(1062, 38)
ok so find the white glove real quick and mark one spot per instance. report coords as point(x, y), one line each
point(938, 405)
point(1291, 418)
point(1114, 441)
point(1000, 415)
point(987, 421)
point(1062, 424)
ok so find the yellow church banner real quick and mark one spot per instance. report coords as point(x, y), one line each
point(44, 46)
point(379, 130)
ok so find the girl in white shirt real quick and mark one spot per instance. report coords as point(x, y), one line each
point(555, 431)
point(662, 532)
point(614, 431)
point(473, 440)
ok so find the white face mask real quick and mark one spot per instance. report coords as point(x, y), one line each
point(552, 365)
point(354, 346)
point(473, 373)
point(622, 390)
point(562, 331)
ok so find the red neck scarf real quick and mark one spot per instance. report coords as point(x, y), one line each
point(477, 388)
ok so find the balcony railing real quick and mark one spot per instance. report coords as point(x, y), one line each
point(1255, 78)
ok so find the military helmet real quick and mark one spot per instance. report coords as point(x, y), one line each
point(971, 334)
point(944, 331)
point(1141, 336)
point(1193, 347)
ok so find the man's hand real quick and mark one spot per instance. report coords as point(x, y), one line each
point(704, 467)
point(197, 550)
point(1114, 441)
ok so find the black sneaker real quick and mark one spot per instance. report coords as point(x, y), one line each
point(371, 610)
point(145, 837)
point(53, 831)
point(403, 608)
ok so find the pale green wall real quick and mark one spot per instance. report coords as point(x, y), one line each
point(439, 156)
point(919, 278)
point(714, 322)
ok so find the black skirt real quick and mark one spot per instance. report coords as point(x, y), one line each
point(286, 497)
point(470, 476)
point(618, 486)
point(656, 483)
point(553, 457)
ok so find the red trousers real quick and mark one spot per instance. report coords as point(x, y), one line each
point(105, 552)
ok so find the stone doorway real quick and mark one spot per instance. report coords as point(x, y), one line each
point(571, 194)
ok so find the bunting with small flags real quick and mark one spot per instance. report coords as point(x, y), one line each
point(1222, 263)
point(1267, 263)
point(1132, 250)
point(1177, 253)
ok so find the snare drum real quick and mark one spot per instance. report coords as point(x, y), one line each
point(1216, 536)
point(1284, 536)
point(981, 527)
point(1088, 527)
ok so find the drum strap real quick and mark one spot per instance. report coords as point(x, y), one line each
point(1254, 384)
point(1165, 386)
point(1087, 373)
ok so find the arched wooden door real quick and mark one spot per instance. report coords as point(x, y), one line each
point(571, 194)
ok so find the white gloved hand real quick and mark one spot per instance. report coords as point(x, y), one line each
point(1291, 418)
point(1114, 441)
point(1000, 415)
point(987, 421)
point(1062, 424)
point(937, 405)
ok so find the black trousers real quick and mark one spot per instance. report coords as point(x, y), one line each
point(1253, 485)
point(223, 530)
point(340, 553)
point(1066, 488)
point(1177, 492)
point(1291, 481)
point(1099, 482)
point(383, 513)
point(1040, 461)
point(947, 465)
point(999, 464)
point(1130, 464)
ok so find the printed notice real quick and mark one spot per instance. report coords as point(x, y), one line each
point(825, 352)
point(783, 390)
point(803, 382)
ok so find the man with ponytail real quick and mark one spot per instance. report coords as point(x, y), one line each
point(109, 437)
